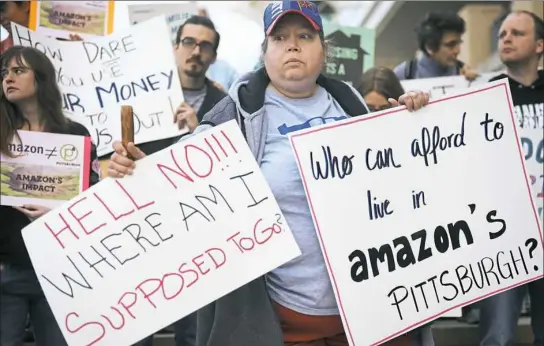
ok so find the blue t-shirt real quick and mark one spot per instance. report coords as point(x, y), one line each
point(302, 285)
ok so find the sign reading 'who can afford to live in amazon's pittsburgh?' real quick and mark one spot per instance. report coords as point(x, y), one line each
point(413, 204)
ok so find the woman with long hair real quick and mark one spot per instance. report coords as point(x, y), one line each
point(30, 100)
point(378, 85)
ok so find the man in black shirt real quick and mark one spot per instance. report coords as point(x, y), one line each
point(521, 45)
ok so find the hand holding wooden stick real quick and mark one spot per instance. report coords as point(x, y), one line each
point(127, 127)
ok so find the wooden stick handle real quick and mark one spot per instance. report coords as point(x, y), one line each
point(127, 126)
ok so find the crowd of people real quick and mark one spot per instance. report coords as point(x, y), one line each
point(287, 306)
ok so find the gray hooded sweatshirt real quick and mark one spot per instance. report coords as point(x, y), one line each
point(246, 317)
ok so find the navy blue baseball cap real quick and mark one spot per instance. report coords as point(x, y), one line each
point(277, 9)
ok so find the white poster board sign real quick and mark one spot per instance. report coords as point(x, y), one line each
point(531, 128)
point(176, 14)
point(533, 146)
point(440, 86)
point(48, 169)
point(128, 257)
point(411, 213)
point(132, 67)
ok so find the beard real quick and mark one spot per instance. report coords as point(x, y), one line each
point(196, 68)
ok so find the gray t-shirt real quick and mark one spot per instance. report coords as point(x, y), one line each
point(303, 284)
point(427, 67)
point(194, 98)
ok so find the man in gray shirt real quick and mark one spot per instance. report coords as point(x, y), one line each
point(439, 43)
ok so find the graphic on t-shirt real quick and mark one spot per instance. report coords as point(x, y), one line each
point(530, 115)
point(283, 129)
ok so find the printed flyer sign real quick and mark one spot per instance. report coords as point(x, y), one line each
point(49, 169)
point(59, 19)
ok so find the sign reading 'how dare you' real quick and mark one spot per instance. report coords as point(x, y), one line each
point(418, 214)
point(99, 75)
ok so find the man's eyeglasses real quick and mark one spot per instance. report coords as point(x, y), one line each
point(205, 46)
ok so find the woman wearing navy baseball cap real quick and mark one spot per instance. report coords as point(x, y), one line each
point(295, 303)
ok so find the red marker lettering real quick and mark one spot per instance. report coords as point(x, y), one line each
point(80, 218)
point(215, 254)
point(212, 149)
point(66, 227)
point(220, 146)
point(115, 217)
point(210, 160)
point(138, 206)
point(199, 265)
point(274, 229)
point(192, 271)
point(122, 319)
point(147, 295)
point(127, 307)
point(228, 140)
point(77, 329)
point(179, 172)
point(163, 286)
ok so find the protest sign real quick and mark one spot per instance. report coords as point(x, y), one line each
point(530, 120)
point(175, 14)
point(47, 169)
point(62, 18)
point(5, 40)
point(352, 53)
point(440, 86)
point(418, 214)
point(532, 141)
point(100, 75)
point(194, 222)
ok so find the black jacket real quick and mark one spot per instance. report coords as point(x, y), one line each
point(245, 317)
point(528, 101)
point(12, 247)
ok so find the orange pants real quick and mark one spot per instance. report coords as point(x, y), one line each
point(304, 330)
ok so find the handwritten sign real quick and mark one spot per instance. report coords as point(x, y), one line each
point(412, 204)
point(176, 14)
point(100, 75)
point(440, 86)
point(533, 148)
point(48, 169)
point(62, 18)
point(530, 120)
point(195, 221)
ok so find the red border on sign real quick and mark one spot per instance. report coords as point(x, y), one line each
point(325, 254)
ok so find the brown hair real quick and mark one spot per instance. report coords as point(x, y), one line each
point(48, 96)
point(381, 80)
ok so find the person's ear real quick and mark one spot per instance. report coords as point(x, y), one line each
point(539, 47)
point(428, 50)
point(214, 58)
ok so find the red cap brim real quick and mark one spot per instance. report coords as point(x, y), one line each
point(271, 27)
